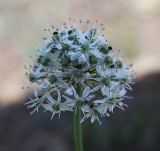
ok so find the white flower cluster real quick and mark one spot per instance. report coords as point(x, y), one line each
point(77, 69)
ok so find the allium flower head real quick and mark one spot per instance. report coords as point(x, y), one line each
point(77, 68)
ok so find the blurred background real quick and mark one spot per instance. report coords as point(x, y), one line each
point(133, 26)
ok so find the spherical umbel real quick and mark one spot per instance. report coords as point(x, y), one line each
point(80, 70)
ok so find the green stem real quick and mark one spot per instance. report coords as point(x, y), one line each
point(78, 130)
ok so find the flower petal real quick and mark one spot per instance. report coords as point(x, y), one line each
point(86, 92)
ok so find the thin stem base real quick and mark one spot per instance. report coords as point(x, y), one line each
point(78, 130)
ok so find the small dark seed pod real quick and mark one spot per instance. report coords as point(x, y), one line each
point(110, 48)
point(55, 33)
point(112, 66)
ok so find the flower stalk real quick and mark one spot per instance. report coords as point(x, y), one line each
point(78, 130)
point(78, 138)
